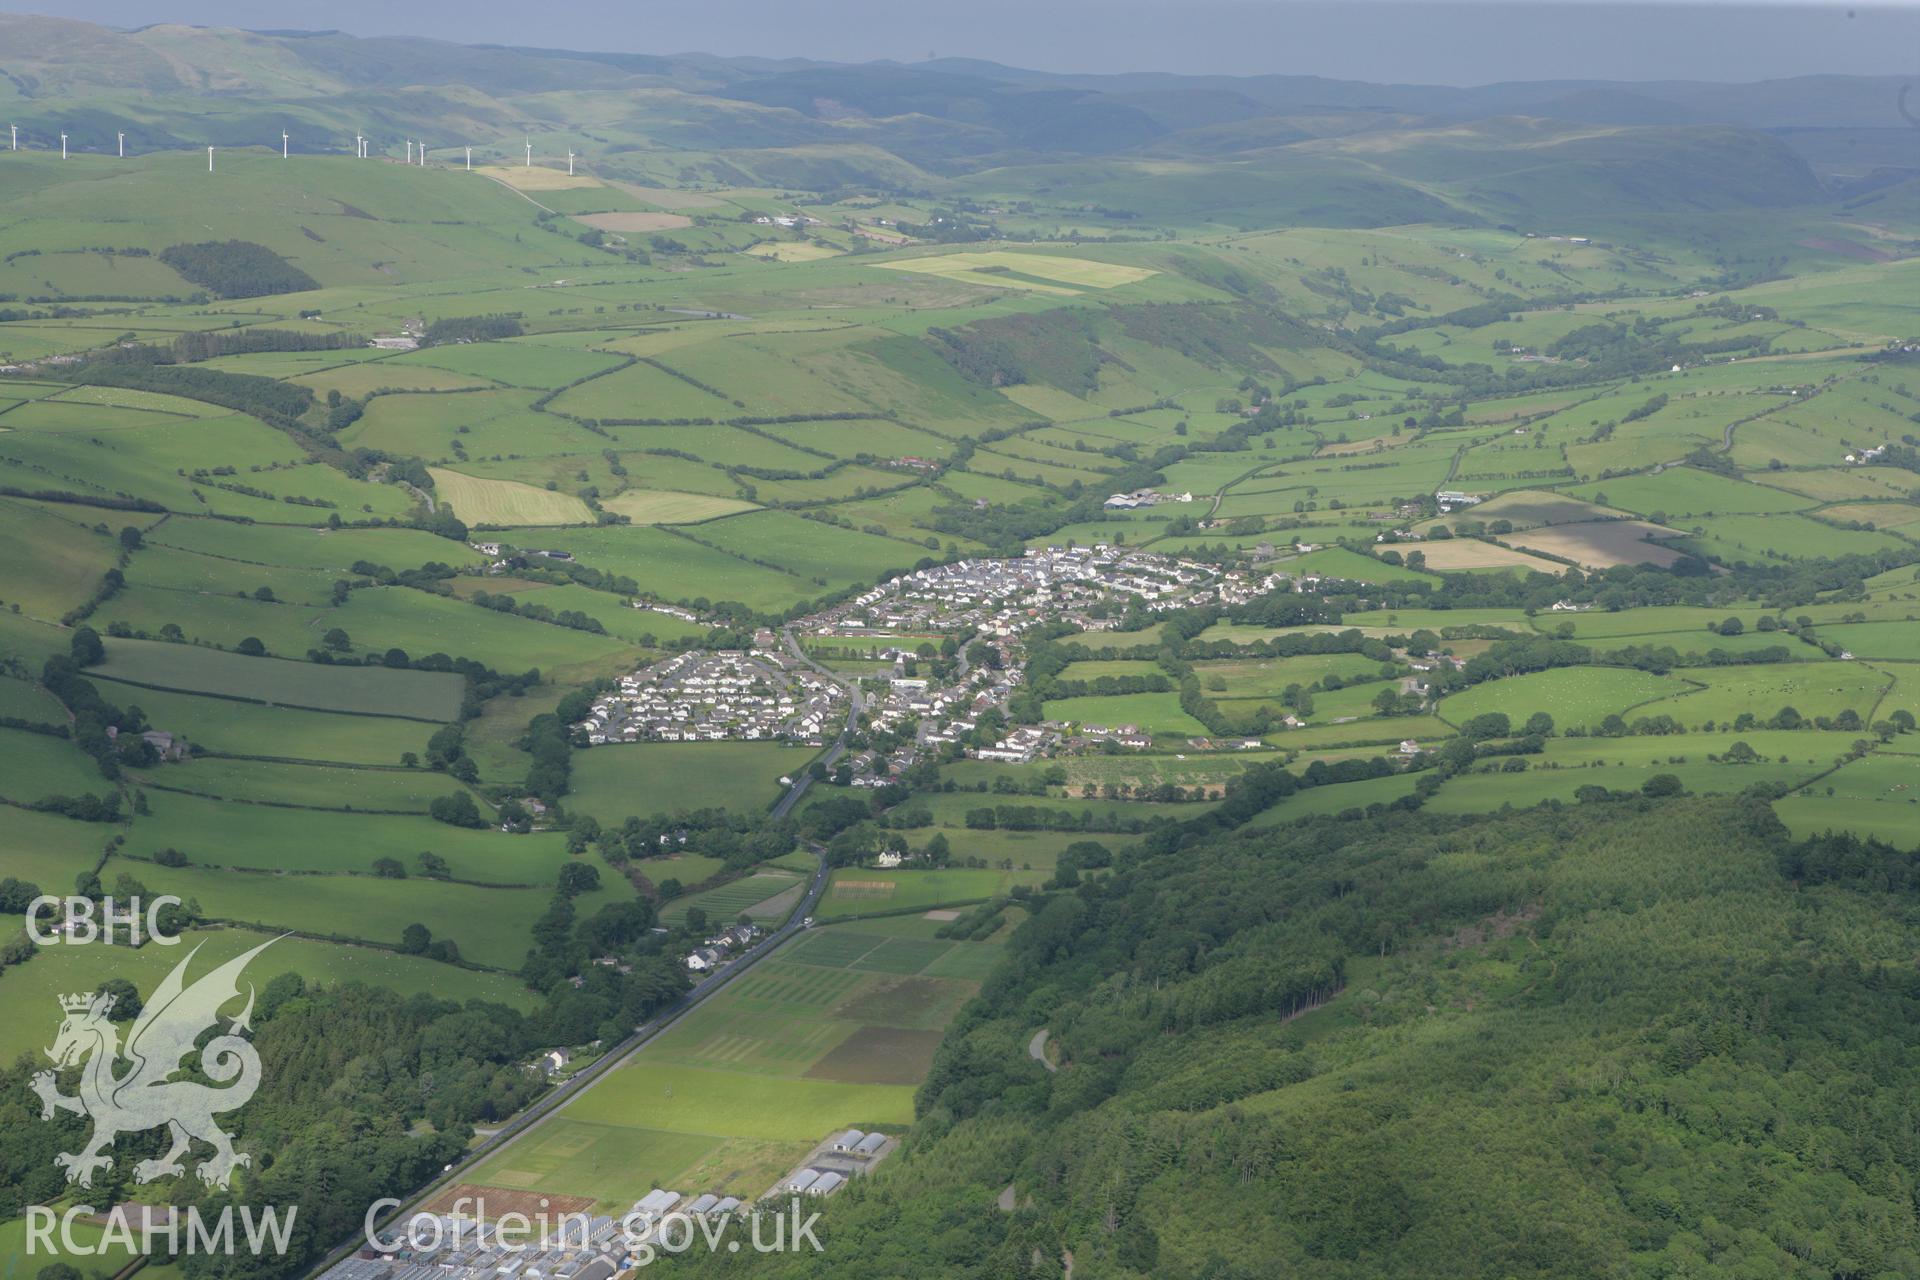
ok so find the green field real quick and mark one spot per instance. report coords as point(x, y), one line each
point(489, 924)
point(1576, 697)
point(643, 778)
point(39, 766)
point(101, 1262)
point(765, 897)
point(1624, 764)
point(222, 725)
point(27, 993)
point(1154, 713)
point(259, 836)
point(854, 891)
point(1822, 689)
point(372, 691)
point(503, 502)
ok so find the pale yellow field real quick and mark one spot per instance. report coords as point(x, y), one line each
point(662, 506)
point(1369, 445)
point(792, 250)
point(1601, 544)
point(505, 502)
point(1884, 515)
point(538, 178)
point(980, 268)
point(622, 222)
point(1456, 554)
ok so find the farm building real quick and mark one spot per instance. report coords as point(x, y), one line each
point(656, 1202)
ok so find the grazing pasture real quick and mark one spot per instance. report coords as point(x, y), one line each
point(660, 506)
point(50, 560)
point(388, 789)
point(1784, 537)
point(1576, 697)
point(1897, 641)
point(1812, 689)
point(371, 691)
point(502, 503)
point(1680, 492)
point(290, 835)
point(676, 568)
point(225, 726)
point(638, 779)
point(39, 766)
point(1154, 713)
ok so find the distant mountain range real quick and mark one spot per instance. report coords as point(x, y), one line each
point(1345, 151)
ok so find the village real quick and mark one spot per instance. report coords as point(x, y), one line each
point(715, 696)
point(767, 693)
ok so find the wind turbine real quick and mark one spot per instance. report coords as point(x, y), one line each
point(16, 137)
point(359, 147)
point(529, 153)
point(123, 145)
point(409, 150)
point(569, 164)
point(63, 146)
point(283, 144)
point(469, 159)
point(209, 159)
point(423, 155)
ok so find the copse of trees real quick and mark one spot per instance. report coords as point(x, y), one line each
point(146, 368)
point(486, 328)
point(237, 269)
point(210, 344)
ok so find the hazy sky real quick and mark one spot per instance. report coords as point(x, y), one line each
point(1430, 41)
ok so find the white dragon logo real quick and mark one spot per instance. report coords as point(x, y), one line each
point(145, 1096)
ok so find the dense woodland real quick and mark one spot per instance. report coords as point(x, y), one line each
point(1616, 1039)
